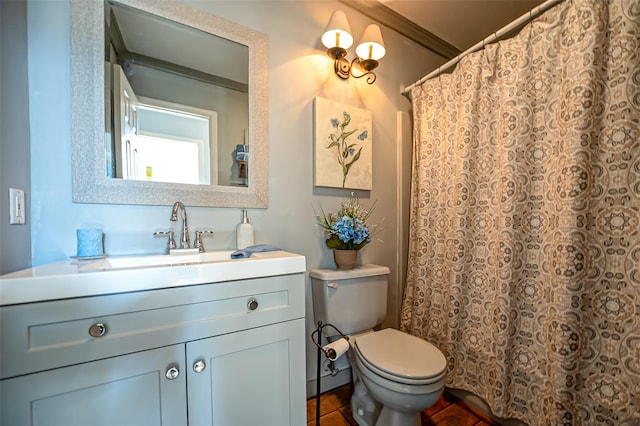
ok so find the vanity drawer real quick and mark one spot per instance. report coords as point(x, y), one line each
point(41, 336)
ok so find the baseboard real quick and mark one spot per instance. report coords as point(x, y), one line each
point(329, 382)
point(480, 405)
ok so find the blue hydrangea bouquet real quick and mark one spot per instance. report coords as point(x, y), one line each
point(347, 229)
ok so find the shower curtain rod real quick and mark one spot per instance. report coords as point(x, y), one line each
point(490, 39)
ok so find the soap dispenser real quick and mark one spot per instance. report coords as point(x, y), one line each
point(244, 232)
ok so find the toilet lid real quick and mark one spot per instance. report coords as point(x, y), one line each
point(401, 355)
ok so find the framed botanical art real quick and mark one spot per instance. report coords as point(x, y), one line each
point(343, 150)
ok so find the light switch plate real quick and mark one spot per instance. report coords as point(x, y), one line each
point(16, 207)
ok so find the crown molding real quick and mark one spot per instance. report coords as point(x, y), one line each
point(391, 19)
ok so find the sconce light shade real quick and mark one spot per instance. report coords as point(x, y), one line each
point(337, 39)
point(338, 32)
point(371, 46)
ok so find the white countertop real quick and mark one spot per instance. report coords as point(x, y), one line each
point(62, 280)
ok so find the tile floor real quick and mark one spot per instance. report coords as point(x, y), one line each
point(335, 410)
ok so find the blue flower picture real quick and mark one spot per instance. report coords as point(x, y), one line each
point(343, 150)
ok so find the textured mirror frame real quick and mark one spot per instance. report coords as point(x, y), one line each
point(89, 181)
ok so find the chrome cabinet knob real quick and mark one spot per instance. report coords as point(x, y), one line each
point(252, 304)
point(199, 366)
point(98, 330)
point(172, 372)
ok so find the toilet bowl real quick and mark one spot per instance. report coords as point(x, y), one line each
point(403, 373)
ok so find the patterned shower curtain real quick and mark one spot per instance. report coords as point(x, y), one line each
point(524, 257)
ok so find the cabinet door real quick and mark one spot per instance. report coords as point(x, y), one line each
point(253, 377)
point(126, 390)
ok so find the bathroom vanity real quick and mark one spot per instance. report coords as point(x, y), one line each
point(217, 342)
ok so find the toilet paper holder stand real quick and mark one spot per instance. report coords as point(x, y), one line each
point(330, 353)
point(317, 340)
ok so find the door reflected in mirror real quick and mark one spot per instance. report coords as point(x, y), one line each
point(176, 99)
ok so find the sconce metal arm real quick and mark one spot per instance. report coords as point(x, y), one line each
point(344, 69)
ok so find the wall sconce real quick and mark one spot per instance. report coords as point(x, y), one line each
point(337, 39)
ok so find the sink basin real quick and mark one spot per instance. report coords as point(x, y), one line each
point(155, 260)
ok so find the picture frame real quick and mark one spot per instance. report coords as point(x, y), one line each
point(342, 145)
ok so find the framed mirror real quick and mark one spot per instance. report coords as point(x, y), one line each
point(132, 97)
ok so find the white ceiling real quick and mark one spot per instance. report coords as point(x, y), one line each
point(461, 23)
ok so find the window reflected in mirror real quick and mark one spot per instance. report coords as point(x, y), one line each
point(173, 114)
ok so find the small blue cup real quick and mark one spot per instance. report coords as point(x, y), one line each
point(90, 242)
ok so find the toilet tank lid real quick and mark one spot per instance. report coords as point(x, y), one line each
point(345, 274)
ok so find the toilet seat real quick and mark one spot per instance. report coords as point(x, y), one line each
point(401, 357)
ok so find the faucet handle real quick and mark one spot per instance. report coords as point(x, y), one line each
point(198, 240)
point(171, 244)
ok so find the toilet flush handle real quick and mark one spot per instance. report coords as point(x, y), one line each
point(332, 285)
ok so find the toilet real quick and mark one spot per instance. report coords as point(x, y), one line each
point(395, 375)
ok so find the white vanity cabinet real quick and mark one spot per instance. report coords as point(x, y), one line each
point(124, 390)
point(248, 377)
point(226, 353)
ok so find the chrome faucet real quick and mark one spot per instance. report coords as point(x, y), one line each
point(184, 236)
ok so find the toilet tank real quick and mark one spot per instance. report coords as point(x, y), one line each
point(352, 300)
